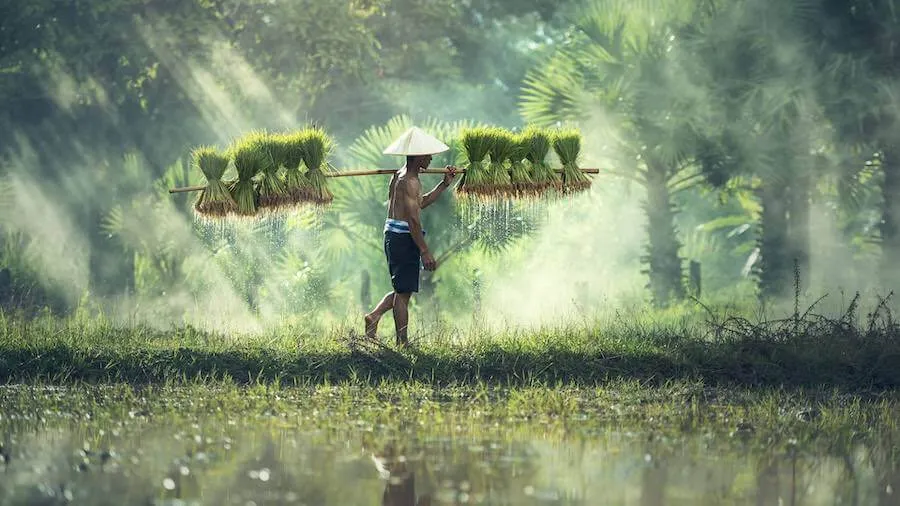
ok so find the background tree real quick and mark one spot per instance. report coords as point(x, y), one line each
point(856, 44)
point(620, 62)
point(157, 79)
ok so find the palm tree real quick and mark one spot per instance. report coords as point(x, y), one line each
point(357, 214)
point(619, 62)
point(764, 124)
point(856, 45)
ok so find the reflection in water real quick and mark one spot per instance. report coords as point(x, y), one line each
point(400, 480)
point(272, 462)
point(653, 483)
point(887, 462)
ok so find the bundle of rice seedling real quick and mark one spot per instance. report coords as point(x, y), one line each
point(215, 200)
point(297, 186)
point(273, 149)
point(521, 181)
point(317, 147)
point(567, 145)
point(543, 177)
point(498, 173)
point(248, 161)
point(476, 143)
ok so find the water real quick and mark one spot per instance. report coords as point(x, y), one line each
point(120, 453)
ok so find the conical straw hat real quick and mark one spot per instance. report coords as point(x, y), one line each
point(415, 142)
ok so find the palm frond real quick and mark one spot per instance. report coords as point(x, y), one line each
point(554, 93)
point(7, 197)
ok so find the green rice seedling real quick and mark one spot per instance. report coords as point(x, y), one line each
point(567, 145)
point(215, 200)
point(249, 159)
point(522, 184)
point(297, 186)
point(476, 143)
point(543, 177)
point(317, 147)
point(272, 191)
point(498, 173)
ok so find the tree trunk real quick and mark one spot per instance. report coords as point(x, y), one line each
point(890, 215)
point(798, 224)
point(775, 269)
point(365, 290)
point(664, 264)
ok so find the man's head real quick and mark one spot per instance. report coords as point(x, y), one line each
point(418, 162)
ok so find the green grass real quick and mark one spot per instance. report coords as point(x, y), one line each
point(674, 406)
point(801, 352)
point(108, 410)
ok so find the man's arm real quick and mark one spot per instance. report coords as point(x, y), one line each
point(410, 198)
point(411, 201)
point(433, 195)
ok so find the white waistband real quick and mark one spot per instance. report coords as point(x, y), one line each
point(396, 226)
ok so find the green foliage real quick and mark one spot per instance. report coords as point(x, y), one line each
point(249, 160)
point(501, 146)
point(554, 91)
point(215, 200)
point(22, 288)
point(621, 60)
point(317, 148)
point(520, 178)
point(212, 163)
point(742, 96)
point(297, 186)
point(272, 191)
point(539, 143)
point(476, 142)
point(158, 82)
point(567, 146)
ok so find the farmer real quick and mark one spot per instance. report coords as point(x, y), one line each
point(404, 239)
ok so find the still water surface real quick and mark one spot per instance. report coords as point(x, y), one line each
point(129, 456)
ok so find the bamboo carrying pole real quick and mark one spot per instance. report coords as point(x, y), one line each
point(371, 172)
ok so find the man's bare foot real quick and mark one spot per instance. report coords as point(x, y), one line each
point(371, 325)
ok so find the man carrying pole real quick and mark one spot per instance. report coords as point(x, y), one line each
point(404, 238)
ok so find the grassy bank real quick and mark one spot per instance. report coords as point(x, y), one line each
point(803, 351)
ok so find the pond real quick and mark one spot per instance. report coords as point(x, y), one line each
point(108, 446)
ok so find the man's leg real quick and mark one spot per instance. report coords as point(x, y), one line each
point(401, 317)
point(372, 318)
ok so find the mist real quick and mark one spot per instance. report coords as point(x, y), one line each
point(88, 222)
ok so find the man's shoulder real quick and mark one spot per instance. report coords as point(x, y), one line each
point(409, 181)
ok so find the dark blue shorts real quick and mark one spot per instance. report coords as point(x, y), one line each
point(404, 261)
